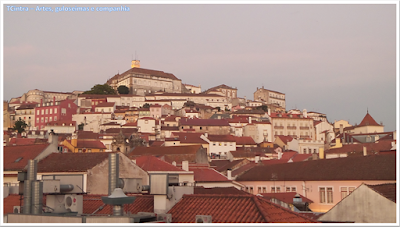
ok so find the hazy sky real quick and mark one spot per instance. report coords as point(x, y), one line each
point(330, 58)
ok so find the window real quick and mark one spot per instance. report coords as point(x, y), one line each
point(344, 191)
point(47, 111)
point(293, 189)
point(55, 110)
point(251, 190)
point(45, 120)
point(37, 120)
point(80, 150)
point(42, 120)
point(326, 195)
point(51, 119)
point(287, 189)
point(322, 195)
point(259, 190)
point(38, 112)
point(264, 190)
point(42, 112)
point(51, 111)
point(275, 189)
point(89, 150)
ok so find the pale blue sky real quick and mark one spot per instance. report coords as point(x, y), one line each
point(330, 58)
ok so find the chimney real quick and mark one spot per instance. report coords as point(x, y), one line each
point(206, 134)
point(257, 158)
point(250, 120)
point(280, 154)
point(185, 165)
point(113, 172)
point(174, 163)
point(341, 128)
point(321, 153)
point(54, 100)
point(305, 113)
point(229, 174)
point(365, 151)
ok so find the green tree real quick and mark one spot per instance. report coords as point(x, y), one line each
point(189, 104)
point(99, 89)
point(80, 126)
point(123, 89)
point(263, 107)
point(20, 126)
point(146, 105)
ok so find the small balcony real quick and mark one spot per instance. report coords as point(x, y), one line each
point(292, 127)
point(278, 127)
point(304, 128)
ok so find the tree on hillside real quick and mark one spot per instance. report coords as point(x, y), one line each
point(123, 89)
point(99, 89)
point(20, 126)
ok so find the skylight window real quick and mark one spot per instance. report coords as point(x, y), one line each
point(18, 159)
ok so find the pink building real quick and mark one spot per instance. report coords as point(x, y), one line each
point(326, 181)
point(155, 111)
point(54, 111)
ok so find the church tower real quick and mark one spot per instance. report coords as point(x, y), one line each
point(135, 64)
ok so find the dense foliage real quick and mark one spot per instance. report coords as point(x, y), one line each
point(99, 89)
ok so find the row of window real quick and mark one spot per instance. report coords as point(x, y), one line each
point(274, 189)
point(46, 119)
point(220, 144)
point(325, 193)
point(46, 111)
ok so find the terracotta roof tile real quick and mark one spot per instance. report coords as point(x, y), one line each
point(151, 163)
point(358, 148)
point(207, 175)
point(373, 167)
point(219, 191)
point(232, 209)
point(368, 121)
point(71, 162)
point(386, 190)
point(244, 140)
point(26, 141)
point(16, 157)
point(92, 203)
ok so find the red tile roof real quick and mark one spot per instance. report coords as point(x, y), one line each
point(219, 191)
point(286, 197)
point(26, 141)
point(372, 148)
point(373, 167)
point(106, 104)
point(204, 122)
point(368, 121)
point(91, 204)
point(207, 175)
point(285, 139)
point(232, 209)
point(386, 190)
point(87, 135)
point(71, 162)
point(151, 163)
point(301, 157)
point(155, 73)
point(221, 138)
point(25, 152)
